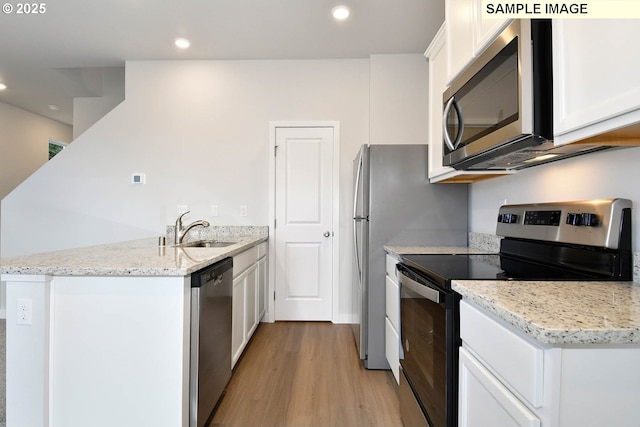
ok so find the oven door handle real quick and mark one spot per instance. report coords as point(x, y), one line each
point(419, 288)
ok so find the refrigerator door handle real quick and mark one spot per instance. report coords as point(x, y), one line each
point(356, 218)
point(357, 188)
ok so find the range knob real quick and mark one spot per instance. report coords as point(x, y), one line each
point(509, 218)
point(574, 218)
point(589, 219)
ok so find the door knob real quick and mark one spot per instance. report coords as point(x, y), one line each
point(327, 233)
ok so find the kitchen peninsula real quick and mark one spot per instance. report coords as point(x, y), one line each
point(100, 335)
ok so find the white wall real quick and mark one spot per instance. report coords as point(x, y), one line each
point(199, 131)
point(88, 110)
point(24, 145)
point(607, 174)
point(399, 93)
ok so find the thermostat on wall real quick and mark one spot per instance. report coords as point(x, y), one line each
point(138, 178)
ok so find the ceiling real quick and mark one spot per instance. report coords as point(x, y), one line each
point(52, 57)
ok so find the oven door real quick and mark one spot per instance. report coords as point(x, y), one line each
point(430, 338)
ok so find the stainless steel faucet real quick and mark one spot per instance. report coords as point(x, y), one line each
point(181, 231)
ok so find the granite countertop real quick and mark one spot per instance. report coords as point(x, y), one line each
point(562, 313)
point(398, 250)
point(132, 258)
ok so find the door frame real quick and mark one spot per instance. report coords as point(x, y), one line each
point(335, 241)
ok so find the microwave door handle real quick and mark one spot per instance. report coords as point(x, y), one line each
point(447, 139)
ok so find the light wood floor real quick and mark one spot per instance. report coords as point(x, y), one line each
point(306, 374)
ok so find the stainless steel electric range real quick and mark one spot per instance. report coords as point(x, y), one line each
point(585, 240)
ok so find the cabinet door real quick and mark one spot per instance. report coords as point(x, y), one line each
point(251, 302)
point(486, 28)
point(392, 348)
point(459, 19)
point(484, 401)
point(392, 302)
point(595, 77)
point(262, 288)
point(437, 55)
point(237, 320)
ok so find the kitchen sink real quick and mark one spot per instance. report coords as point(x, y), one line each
point(207, 244)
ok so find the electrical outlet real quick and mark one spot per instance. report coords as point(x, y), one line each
point(243, 210)
point(214, 210)
point(25, 311)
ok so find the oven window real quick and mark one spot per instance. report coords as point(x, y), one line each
point(423, 324)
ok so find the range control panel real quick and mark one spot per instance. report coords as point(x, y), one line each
point(589, 222)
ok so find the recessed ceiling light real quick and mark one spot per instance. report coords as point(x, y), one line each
point(3, 86)
point(340, 12)
point(53, 107)
point(182, 43)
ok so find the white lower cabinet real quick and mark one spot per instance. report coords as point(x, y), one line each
point(392, 348)
point(392, 317)
point(484, 401)
point(508, 378)
point(249, 297)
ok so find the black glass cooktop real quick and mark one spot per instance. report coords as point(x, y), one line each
point(441, 269)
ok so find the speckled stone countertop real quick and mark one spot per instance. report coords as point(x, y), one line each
point(562, 313)
point(397, 251)
point(133, 258)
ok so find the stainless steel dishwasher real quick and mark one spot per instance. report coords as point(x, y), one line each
point(210, 369)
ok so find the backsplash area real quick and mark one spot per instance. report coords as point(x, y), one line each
point(486, 242)
point(491, 242)
point(219, 232)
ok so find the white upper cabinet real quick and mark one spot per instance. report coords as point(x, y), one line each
point(595, 71)
point(459, 21)
point(468, 33)
point(437, 56)
point(486, 28)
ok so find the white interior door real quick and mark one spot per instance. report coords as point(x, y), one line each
point(304, 223)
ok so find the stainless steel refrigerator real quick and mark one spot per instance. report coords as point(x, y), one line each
point(394, 204)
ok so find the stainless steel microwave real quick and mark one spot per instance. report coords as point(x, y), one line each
point(498, 114)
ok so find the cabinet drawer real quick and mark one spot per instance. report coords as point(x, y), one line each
point(262, 249)
point(244, 260)
point(391, 267)
point(484, 401)
point(392, 303)
point(392, 348)
point(515, 360)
